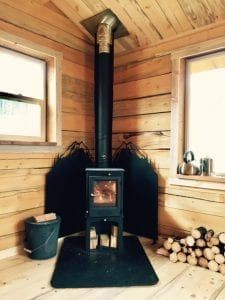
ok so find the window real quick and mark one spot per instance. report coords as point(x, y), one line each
point(30, 94)
point(22, 96)
point(198, 110)
point(205, 108)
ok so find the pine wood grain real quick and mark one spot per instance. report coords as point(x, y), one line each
point(144, 87)
point(43, 13)
point(74, 122)
point(16, 180)
point(77, 71)
point(71, 136)
point(11, 202)
point(26, 163)
point(206, 33)
point(185, 220)
point(14, 222)
point(144, 69)
point(157, 122)
point(145, 140)
point(192, 204)
point(21, 19)
point(141, 106)
point(11, 240)
point(69, 53)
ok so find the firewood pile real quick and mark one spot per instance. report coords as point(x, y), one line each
point(202, 247)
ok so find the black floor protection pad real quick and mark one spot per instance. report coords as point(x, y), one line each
point(102, 268)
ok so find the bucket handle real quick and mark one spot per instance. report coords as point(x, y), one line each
point(35, 249)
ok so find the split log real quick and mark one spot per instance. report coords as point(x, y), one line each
point(203, 262)
point(198, 252)
point(219, 258)
point(114, 230)
point(199, 232)
point(104, 240)
point(222, 269)
point(215, 241)
point(184, 249)
point(209, 244)
point(221, 237)
point(93, 243)
point(114, 240)
point(209, 234)
point(215, 249)
point(200, 243)
point(173, 257)
point(167, 245)
point(170, 240)
point(189, 250)
point(176, 247)
point(163, 251)
point(190, 240)
point(192, 260)
point(93, 233)
point(181, 257)
point(45, 217)
point(213, 266)
point(207, 252)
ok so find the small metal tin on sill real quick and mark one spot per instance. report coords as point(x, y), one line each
point(206, 166)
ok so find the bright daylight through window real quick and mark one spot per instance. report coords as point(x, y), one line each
point(205, 108)
point(22, 97)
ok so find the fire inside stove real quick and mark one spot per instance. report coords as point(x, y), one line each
point(104, 193)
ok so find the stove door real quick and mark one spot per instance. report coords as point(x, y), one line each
point(104, 196)
point(104, 193)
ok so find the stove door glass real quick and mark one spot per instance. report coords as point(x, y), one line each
point(104, 192)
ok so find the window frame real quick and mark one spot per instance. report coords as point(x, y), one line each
point(178, 59)
point(52, 111)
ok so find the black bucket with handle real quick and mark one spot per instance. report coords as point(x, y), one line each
point(42, 238)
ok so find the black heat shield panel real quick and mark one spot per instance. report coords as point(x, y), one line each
point(66, 191)
point(140, 194)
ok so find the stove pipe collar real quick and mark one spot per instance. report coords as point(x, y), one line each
point(105, 32)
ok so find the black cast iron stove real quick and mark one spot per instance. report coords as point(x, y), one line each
point(104, 215)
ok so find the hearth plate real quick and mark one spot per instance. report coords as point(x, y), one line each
point(103, 268)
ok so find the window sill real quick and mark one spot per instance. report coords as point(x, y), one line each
point(18, 146)
point(203, 182)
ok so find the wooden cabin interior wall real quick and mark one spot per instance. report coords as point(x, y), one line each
point(22, 175)
point(142, 95)
point(142, 114)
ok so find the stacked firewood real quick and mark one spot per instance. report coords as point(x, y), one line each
point(202, 247)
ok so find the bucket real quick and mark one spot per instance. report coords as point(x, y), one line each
point(42, 238)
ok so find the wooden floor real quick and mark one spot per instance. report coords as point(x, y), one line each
point(22, 278)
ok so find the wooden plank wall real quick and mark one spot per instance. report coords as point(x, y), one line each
point(142, 95)
point(22, 175)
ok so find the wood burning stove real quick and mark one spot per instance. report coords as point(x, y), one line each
point(104, 185)
point(104, 214)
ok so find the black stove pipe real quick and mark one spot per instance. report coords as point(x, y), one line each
point(104, 91)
